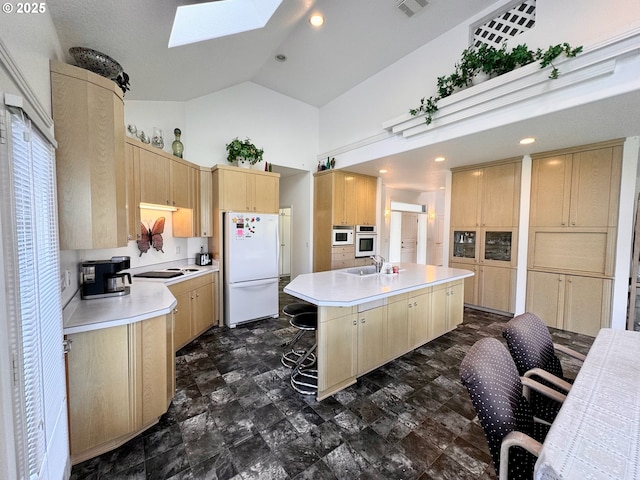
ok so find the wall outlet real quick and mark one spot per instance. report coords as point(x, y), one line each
point(177, 250)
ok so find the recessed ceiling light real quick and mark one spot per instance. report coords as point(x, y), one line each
point(281, 58)
point(382, 171)
point(527, 141)
point(316, 20)
point(439, 159)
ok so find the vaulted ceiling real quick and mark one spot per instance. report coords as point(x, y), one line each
point(358, 39)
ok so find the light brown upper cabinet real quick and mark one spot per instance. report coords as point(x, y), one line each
point(366, 190)
point(578, 189)
point(343, 195)
point(163, 179)
point(246, 190)
point(88, 115)
point(206, 212)
point(132, 167)
point(155, 171)
point(486, 197)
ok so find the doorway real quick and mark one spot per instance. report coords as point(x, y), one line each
point(284, 233)
point(408, 234)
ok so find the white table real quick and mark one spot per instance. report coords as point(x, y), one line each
point(596, 434)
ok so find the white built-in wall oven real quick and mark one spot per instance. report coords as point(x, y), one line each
point(341, 235)
point(366, 238)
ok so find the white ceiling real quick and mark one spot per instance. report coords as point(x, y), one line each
point(359, 38)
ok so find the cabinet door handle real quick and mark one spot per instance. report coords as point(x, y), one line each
point(563, 223)
point(355, 322)
point(415, 304)
point(175, 311)
point(362, 320)
point(410, 305)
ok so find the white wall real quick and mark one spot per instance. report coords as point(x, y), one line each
point(359, 113)
point(285, 128)
point(164, 115)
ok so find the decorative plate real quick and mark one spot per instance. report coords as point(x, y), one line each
point(96, 62)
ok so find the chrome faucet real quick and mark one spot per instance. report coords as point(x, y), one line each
point(377, 263)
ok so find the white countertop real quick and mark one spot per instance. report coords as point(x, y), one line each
point(149, 298)
point(336, 288)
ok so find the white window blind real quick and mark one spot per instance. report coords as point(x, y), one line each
point(40, 392)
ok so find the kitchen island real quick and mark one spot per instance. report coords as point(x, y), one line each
point(365, 321)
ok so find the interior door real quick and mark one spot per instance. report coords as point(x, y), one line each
point(284, 266)
point(409, 237)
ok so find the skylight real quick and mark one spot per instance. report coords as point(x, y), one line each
point(204, 21)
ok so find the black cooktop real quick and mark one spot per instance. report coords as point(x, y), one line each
point(159, 274)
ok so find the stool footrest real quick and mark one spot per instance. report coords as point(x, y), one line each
point(305, 382)
point(290, 359)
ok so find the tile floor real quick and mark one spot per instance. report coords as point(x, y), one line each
point(236, 417)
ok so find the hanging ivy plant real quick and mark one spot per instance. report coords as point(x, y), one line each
point(492, 62)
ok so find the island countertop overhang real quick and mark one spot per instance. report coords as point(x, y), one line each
point(335, 288)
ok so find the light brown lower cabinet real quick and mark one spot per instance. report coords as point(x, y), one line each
point(491, 286)
point(195, 312)
point(337, 348)
point(352, 343)
point(120, 381)
point(371, 339)
point(570, 302)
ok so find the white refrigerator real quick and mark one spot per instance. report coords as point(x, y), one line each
point(250, 267)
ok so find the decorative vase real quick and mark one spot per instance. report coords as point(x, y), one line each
point(177, 146)
point(243, 162)
point(157, 140)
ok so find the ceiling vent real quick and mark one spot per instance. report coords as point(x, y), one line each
point(409, 7)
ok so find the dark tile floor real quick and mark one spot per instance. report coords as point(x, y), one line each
point(235, 415)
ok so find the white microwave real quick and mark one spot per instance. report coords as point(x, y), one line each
point(341, 236)
point(366, 239)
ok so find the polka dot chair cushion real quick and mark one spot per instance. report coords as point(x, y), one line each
point(531, 346)
point(495, 389)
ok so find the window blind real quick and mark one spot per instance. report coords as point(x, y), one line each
point(40, 391)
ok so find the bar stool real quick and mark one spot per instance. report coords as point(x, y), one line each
point(296, 308)
point(303, 378)
point(304, 322)
point(308, 321)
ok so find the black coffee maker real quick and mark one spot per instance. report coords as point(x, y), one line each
point(100, 278)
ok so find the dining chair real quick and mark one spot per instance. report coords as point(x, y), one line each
point(499, 396)
point(534, 354)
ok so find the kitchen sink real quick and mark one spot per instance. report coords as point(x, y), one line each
point(361, 271)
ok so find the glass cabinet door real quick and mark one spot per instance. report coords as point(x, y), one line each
point(497, 246)
point(464, 244)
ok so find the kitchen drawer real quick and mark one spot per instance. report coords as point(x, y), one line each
point(350, 250)
point(336, 257)
point(191, 284)
point(363, 262)
point(338, 264)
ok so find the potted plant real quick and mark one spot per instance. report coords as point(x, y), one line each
point(243, 152)
point(488, 61)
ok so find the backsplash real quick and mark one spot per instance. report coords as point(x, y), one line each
point(174, 249)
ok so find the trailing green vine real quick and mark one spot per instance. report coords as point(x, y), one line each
point(493, 62)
